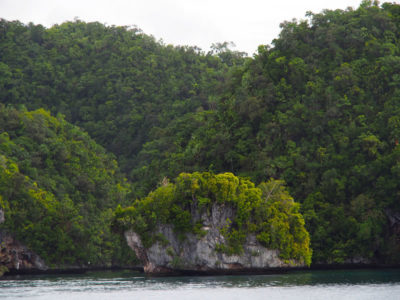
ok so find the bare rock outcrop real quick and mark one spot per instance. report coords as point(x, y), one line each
point(16, 256)
point(2, 219)
point(198, 254)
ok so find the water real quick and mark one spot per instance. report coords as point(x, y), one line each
point(333, 284)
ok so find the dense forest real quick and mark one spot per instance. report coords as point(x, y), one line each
point(318, 108)
point(117, 83)
point(59, 189)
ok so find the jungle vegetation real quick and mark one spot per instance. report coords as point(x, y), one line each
point(318, 108)
point(59, 189)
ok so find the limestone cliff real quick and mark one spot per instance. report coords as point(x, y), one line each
point(16, 256)
point(198, 254)
point(2, 218)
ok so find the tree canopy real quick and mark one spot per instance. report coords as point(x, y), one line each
point(58, 190)
point(318, 108)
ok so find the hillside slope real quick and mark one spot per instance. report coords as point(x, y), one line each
point(58, 189)
point(319, 108)
point(117, 83)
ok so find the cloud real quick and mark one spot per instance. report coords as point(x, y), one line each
point(187, 22)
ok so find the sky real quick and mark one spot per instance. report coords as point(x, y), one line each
point(246, 23)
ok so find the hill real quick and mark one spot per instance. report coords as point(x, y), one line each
point(117, 83)
point(58, 190)
point(319, 108)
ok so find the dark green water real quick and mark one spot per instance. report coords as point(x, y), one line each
point(333, 284)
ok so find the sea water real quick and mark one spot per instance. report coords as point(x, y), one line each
point(327, 284)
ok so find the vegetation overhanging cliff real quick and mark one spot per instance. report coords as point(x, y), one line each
point(224, 209)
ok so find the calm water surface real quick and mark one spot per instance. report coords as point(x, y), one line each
point(333, 284)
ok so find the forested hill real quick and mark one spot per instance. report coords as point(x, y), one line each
point(58, 190)
point(319, 108)
point(117, 83)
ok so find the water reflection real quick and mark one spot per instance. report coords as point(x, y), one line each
point(297, 278)
point(132, 282)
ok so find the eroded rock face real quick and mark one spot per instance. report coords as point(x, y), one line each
point(16, 256)
point(198, 254)
point(1, 216)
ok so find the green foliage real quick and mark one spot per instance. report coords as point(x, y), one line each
point(267, 211)
point(117, 83)
point(286, 224)
point(3, 269)
point(57, 190)
point(319, 108)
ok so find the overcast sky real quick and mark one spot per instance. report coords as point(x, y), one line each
point(247, 23)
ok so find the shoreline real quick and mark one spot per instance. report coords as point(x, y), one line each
point(72, 270)
point(189, 273)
